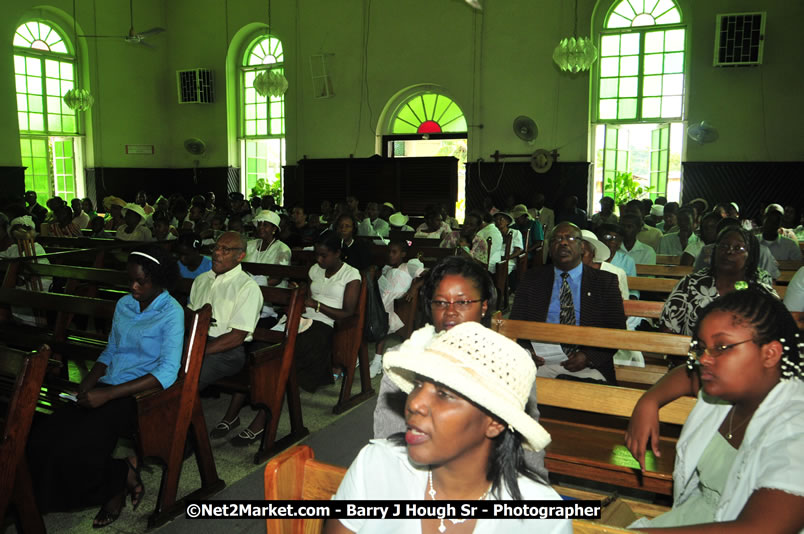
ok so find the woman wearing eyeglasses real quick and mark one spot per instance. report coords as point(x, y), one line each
point(464, 437)
point(734, 265)
point(739, 463)
point(457, 290)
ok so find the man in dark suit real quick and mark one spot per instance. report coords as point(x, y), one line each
point(595, 301)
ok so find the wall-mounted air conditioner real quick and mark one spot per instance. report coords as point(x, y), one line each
point(739, 39)
point(196, 86)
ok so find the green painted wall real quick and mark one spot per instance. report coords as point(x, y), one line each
point(496, 66)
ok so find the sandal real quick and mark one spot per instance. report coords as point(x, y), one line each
point(136, 496)
point(104, 517)
point(223, 427)
point(246, 437)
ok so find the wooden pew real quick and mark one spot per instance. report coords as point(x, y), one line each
point(269, 374)
point(586, 450)
point(296, 475)
point(791, 265)
point(178, 406)
point(650, 309)
point(21, 376)
point(667, 271)
point(663, 259)
point(785, 276)
point(587, 423)
point(649, 342)
point(429, 256)
point(64, 342)
point(655, 285)
point(666, 285)
point(349, 346)
point(179, 409)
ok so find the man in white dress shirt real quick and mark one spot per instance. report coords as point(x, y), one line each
point(236, 302)
point(631, 223)
point(782, 248)
point(542, 213)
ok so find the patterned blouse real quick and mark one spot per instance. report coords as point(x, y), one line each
point(479, 251)
point(692, 294)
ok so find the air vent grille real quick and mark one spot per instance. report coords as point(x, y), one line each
point(739, 39)
point(196, 86)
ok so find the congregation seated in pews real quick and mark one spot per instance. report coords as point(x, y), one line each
point(570, 290)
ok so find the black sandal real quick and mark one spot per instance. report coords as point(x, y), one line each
point(104, 517)
point(136, 496)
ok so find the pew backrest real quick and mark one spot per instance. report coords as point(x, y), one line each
point(296, 475)
point(21, 376)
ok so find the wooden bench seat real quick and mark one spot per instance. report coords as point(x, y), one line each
point(591, 450)
point(296, 475)
point(348, 345)
point(178, 407)
point(583, 448)
point(269, 375)
point(21, 376)
point(666, 271)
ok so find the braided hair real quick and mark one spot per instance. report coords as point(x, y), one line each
point(771, 322)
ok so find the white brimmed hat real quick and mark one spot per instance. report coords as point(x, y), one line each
point(504, 214)
point(267, 216)
point(487, 368)
point(25, 220)
point(602, 252)
point(398, 219)
point(519, 210)
point(136, 208)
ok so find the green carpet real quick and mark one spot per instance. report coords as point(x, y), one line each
point(233, 463)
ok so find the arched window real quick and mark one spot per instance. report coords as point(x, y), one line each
point(429, 113)
point(44, 70)
point(424, 122)
point(262, 119)
point(639, 102)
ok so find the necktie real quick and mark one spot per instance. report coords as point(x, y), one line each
point(567, 314)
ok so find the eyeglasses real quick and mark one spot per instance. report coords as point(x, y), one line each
point(555, 240)
point(698, 350)
point(225, 250)
point(609, 237)
point(729, 249)
point(461, 305)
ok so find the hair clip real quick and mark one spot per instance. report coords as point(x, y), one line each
point(740, 285)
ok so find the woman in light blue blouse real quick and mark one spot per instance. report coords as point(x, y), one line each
point(70, 452)
point(191, 262)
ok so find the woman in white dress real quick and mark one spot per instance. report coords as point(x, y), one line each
point(466, 428)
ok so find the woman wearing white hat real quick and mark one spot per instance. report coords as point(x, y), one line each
point(267, 248)
point(399, 221)
point(466, 429)
point(134, 228)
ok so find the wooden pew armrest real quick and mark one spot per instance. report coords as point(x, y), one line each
point(264, 355)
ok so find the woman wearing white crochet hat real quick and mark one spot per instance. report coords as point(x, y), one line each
point(466, 428)
point(134, 228)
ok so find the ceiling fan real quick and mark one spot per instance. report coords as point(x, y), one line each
point(133, 37)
